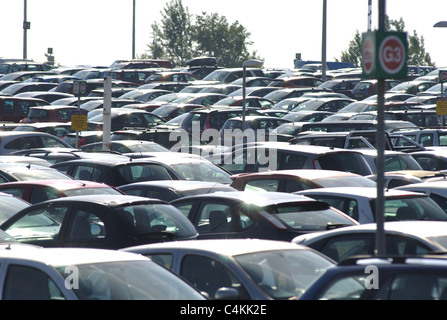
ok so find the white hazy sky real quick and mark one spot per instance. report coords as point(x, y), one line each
point(97, 32)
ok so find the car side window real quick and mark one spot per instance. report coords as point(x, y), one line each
point(214, 217)
point(8, 107)
point(23, 143)
point(262, 185)
point(343, 247)
point(163, 259)
point(208, 275)
point(185, 208)
point(27, 283)
point(83, 173)
point(16, 192)
point(409, 286)
point(86, 226)
point(147, 172)
point(162, 195)
point(49, 142)
point(293, 161)
point(42, 194)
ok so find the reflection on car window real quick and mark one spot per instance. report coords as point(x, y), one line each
point(41, 224)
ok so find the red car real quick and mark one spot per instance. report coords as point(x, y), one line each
point(41, 190)
point(49, 113)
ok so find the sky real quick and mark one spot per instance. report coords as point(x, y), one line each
point(98, 32)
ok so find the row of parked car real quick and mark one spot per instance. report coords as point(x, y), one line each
point(284, 219)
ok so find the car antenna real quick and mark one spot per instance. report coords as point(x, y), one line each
point(28, 166)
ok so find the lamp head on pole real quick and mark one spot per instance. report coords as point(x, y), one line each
point(252, 63)
point(440, 24)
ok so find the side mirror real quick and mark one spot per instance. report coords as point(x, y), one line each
point(226, 293)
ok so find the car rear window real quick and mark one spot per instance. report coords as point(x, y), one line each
point(344, 161)
point(308, 216)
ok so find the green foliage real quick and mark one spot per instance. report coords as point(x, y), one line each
point(172, 38)
point(354, 52)
point(416, 48)
point(178, 39)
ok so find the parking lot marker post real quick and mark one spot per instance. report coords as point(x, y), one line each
point(384, 56)
point(106, 119)
point(79, 117)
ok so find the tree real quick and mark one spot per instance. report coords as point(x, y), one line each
point(215, 37)
point(354, 52)
point(416, 48)
point(172, 39)
point(178, 39)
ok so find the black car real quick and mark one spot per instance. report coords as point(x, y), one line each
point(344, 86)
point(262, 215)
point(27, 86)
point(214, 117)
point(99, 221)
point(383, 278)
point(126, 118)
point(268, 156)
point(170, 190)
point(116, 172)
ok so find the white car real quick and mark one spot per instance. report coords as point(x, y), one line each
point(437, 190)
point(359, 203)
point(394, 160)
point(33, 273)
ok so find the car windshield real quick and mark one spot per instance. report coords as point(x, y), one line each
point(128, 280)
point(284, 274)
point(202, 171)
point(148, 220)
point(308, 216)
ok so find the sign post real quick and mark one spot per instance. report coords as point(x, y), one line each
point(79, 118)
point(441, 103)
point(384, 56)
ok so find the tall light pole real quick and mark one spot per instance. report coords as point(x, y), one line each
point(323, 44)
point(26, 26)
point(380, 143)
point(133, 30)
point(252, 63)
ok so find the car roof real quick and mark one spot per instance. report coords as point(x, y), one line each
point(68, 256)
point(259, 198)
point(301, 148)
point(420, 228)
point(228, 247)
point(179, 184)
point(57, 184)
point(369, 192)
point(304, 173)
point(107, 200)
